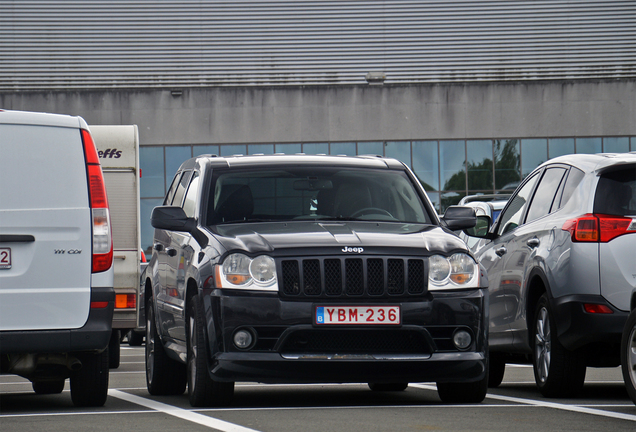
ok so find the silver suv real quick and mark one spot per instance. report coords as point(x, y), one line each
point(560, 262)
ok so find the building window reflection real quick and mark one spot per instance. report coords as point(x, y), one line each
point(400, 150)
point(348, 149)
point(589, 145)
point(288, 148)
point(447, 169)
point(233, 149)
point(616, 145)
point(507, 164)
point(452, 161)
point(316, 148)
point(205, 149)
point(426, 164)
point(533, 153)
point(153, 182)
point(479, 165)
point(560, 147)
point(371, 148)
point(175, 156)
point(267, 149)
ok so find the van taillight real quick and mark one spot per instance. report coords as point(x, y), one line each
point(598, 227)
point(102, 237)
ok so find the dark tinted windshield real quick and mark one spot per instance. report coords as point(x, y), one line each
point(307, 193)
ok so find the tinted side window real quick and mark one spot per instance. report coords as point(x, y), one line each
point(511, 217)
point(574, 178)
point(616, 192)
point(173, 188)
point(189, 204)
point(546, 191)
point(181, 188)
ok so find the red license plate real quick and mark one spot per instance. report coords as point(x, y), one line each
point(5, 258)
point(366, 315)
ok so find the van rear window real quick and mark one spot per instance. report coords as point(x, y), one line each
point(41, 167)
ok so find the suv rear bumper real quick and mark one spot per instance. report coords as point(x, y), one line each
point(577, 328)
point(93, 336)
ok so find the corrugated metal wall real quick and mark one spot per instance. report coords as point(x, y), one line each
point(63, 44)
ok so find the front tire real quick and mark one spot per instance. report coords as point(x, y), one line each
point(89, 385)
point(628, 355)
point(558, 372)
point(164, 376)
point(202, 390)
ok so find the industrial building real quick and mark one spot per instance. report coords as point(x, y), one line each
point(472, 95)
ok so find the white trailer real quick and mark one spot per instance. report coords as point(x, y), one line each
point(118, 150)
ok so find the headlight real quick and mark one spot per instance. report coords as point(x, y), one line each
point(241, 271)
point(458, 271)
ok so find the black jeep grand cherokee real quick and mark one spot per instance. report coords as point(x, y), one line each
point(310, 269)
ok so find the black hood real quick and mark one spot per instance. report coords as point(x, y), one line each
point(338, 237)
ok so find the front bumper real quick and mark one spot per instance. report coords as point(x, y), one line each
point(291, 348)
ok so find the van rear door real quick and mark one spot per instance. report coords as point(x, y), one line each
point(45, 225)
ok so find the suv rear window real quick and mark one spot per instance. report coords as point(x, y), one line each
point(616, 192)
point(314, 193)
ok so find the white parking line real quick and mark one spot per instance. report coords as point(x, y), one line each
point(194, 417)
point(544, 404)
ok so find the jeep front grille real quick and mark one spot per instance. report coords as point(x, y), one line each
point(365, 277)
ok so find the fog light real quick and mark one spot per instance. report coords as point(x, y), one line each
point(462, 339)
point(243, 339)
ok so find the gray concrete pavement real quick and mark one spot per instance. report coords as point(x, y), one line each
point(515, 405)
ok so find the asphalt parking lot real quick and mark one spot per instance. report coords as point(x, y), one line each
point(515, 405)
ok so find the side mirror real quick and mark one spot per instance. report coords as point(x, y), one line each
point(480, 229)
point(171, 218)
point(458, 218)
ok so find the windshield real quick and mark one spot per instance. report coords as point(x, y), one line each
point(313, 193)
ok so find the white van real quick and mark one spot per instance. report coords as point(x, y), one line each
point(56, 256)
point(118, 151)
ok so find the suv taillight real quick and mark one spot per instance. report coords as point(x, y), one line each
point(598, 227)
point(102, 238)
